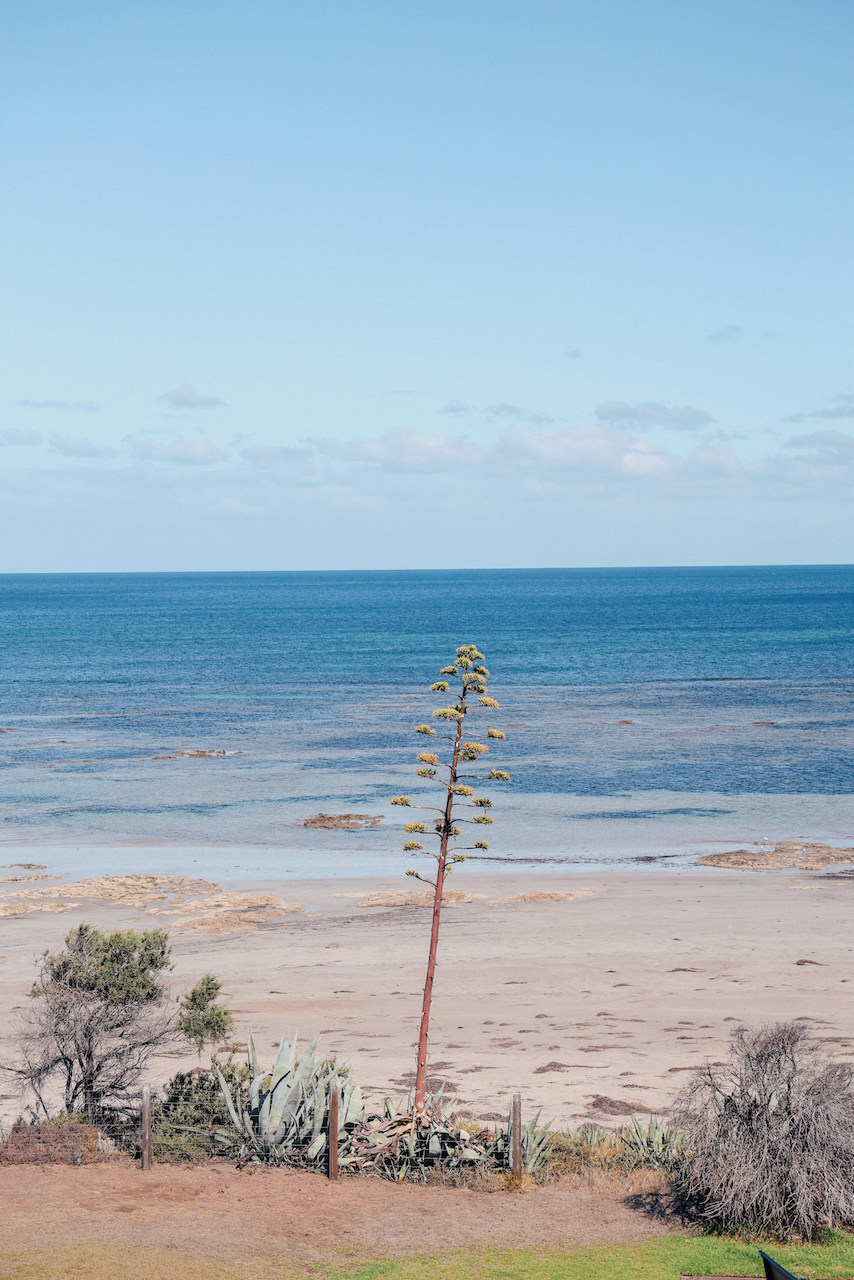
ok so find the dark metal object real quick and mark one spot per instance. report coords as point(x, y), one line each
point(773, 1270)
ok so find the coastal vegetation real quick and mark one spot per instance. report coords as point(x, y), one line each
point(769, 1136)
point(191, 1122)
point(762, 1144)
point(470, 677)
point(201, 1019)
point(284, 1117)
point(99, 1011)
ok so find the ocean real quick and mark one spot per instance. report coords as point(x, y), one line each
point(651, 714)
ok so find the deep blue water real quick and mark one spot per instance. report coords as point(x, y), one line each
point(318, 678)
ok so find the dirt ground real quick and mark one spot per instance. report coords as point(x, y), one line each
point(213, 1211)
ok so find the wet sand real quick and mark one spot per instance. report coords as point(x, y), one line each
point(593, 1007)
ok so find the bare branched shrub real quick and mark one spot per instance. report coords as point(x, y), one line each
point(97, 1014)
point(99, 1010)
point(97, 1050)
point(770, 1136)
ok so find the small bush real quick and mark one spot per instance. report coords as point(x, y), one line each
point(192, 1121)
point(576, 1150)
point(658, 1146)
point(201, 1019)
point(61, 1141)
point(770, 1137)
point(623, 1150)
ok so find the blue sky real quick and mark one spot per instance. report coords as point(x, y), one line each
point(374, 285)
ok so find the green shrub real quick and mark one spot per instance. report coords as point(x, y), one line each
point(201, 1019)
point(192, 1120)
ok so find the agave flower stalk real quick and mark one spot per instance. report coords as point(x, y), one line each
point(466, 749)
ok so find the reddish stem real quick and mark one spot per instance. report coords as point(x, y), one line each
point(421, 1066)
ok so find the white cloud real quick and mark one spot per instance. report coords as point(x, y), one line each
point(183, 453)
point(405, 450)
point(273, 455)
point(70, 447)
point(186, 397)
point(572, 456)
point(456, 406)
point(588, 449)
point(10, 437)
point(591, 458)
point(572, 495)
point(826, 443)
point(505, 411)
point(650, 414)
point(521, 461)
point(836, 412)
point(289, 466)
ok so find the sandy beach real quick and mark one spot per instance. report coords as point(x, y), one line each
point(590, 996)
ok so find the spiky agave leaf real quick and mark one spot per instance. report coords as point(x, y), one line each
point(290, 1089)
point(255, 1078)
point(282, 1112)
point(320, 1090)
point(285, 1058)
point(228, 1099)
point(353, 1106)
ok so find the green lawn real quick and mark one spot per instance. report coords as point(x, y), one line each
point(660, 1259)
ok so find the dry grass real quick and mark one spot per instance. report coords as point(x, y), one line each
point(52, 1143)
point(96, 1260)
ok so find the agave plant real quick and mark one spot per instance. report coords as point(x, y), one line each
point(535, 1145)
point(658, 1146)
point(282, 1116)
point(407, 1144)
point(286, 1113)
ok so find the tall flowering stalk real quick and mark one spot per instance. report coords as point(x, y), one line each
point(466, 749)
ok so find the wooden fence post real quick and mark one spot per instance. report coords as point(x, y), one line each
point(516, 1138)
point(333, 1135)
point(145, 1140)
